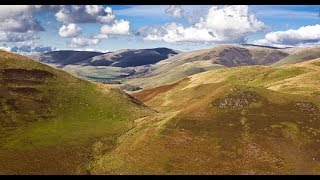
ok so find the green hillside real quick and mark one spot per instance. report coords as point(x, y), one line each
point(225, 121)
point(49, 118)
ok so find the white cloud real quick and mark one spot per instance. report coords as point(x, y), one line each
point(27, 49)
point(81, 42)
point(17, 37)
point(21, 24)
point(70, 30)
point(85, 14)
point(221, 25)
point(18, 23)
point(120, 27)
point(306, 35)
point(101, 36)
point(93, 9)
point(175, 10)
point(5, 47)
point(18, 18)
point(91, 49)
point(12, 10)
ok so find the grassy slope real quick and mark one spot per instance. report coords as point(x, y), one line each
point(299, 55)
point(224, 122)
point(189, 63)
point(173, 74)
point(96, 73)
point(49, 119)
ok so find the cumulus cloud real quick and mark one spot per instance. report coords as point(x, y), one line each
point(70, 30)
point(119, 27)
point(306, 35)
point(82, 42)
point(85, 14)
point(17, 37)
point(18, 23)
point(18, 18)
point(221, 25)
point(14, 10)
point(175, 11)
point(29, 49)
point(93, 9)
point(5, 47)
point(21, 24)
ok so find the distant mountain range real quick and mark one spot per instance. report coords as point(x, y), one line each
point(122, 58)
point(158, 66)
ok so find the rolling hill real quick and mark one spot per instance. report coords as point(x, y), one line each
point(102, 67)
point(49, 119)
point(132, 57)
point(63, 58)
point(189, 63)
point(226, 121)
point(299, 55)
point(221, 115)
point(121, 58)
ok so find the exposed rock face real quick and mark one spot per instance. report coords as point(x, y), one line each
point(234, 89)
point(306, 106)
point(237, 101)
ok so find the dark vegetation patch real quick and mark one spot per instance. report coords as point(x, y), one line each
point(111, 82)
point(22, 82)
point(128, 87)
point(25, 90)
point(261, 58)
point(193, 71)
point(231, 57)
point(26, 74)
point(139, 59)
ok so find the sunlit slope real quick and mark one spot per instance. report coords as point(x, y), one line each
point(295, 78)
point(225, 121)
point(300, 55)
point(48, 117)
point(194, 62)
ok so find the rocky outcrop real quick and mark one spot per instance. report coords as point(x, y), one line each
point(238, 100)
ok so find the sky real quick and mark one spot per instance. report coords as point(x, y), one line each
point(28, 29)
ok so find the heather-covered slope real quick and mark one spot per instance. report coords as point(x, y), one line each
point(226, 121)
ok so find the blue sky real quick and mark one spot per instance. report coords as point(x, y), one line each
point(185, 27)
